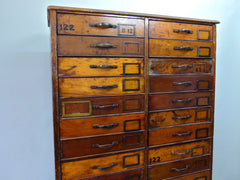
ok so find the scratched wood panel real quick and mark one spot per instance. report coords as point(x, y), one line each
point(198, 176)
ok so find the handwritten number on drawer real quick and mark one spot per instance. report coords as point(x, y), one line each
point(67, 27)
point(155, 159)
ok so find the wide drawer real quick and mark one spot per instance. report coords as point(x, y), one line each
point(101, 125)
point(179, 117)
point(180, 83)
point(74, 67)
point(99, 25)
point(171, 48)
point(198, 176)
point(179, 168)
point(79, 87)
point(179, 134)
point(180, 100)
point(101, 105)
point(101, 144)
point(178, 152)
point(99, 46)
point(103, 165)
point(170, 30)
point(180, 66)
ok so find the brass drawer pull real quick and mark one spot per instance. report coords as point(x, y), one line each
point(106, 167)
point(187, 48)
point(182, 100)
point(105, 107)
point(182, 154)
point(95, 126)
point(182, 118)
point(182, 66)
point(103, 45)
point(185, 83)
point(181, 170)
point(103, 25)
point(183, 134)
point(104, 87)
point(104, 66)
point(183, 30)
point(105, 146)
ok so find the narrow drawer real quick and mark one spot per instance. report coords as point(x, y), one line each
point(101, 106)
point(179, 168)
point(178, 100)
point(199, 176)
point(180, 66)
point(179, 117)
point(170, 30)
point(75, 67)
point(99, 46)
point(179, 134)
point(178, 152)
point(180, 83)
point(101, 125)
point(100, 25)
point(171, 48)
point(79, 87)
point(101, 144)
point(102, 165)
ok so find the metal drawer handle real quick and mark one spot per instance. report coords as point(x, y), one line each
point(104, 87)
point(188, 48)
point(103, 25)
point(105, 146)
point(182, 100)
point(105, 107)
point(183, 134)
point(103, 45)
point(182, 154)
point(95, 126)
point(181, 170)
point(183, 30)
point(105, 168)
point(185, 83)
point(104, 66)
point(182, 66)
point(182, 118)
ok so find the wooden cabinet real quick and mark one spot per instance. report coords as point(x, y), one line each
point(133, 95)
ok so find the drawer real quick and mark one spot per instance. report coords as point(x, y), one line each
point(178, 152)
point(180, 100)
point(101, 105)
point(99, 46)
point(180, 83)
point(102, 165)
point(179, 168)
point(179, 134)
point(79, 87)
point(170, 30)
point(171, 48)
point(101, 125)
point(100, 25)
point(179, 117)
point(180, 66)
point(199, 176)
point(75, 67)
point(101, 144)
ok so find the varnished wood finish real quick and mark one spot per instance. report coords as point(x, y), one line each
point(199, 176)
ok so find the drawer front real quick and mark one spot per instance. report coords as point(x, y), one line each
point(170, 48)
point(99, 46)
point(75, 67)
point(172, 101)
point(99, 25)
point(102, 165)
point(101, 105)
point(180, 83)
point(169, 30)
point(101, 144)
point(79, 87)
point(179, 117)
point(179, 168)
point(180, 66)
point(101, 125)
point(178, 152)
point(178, 134)
point(198, 176)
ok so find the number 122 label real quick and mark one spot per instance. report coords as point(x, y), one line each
point(126, 30)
